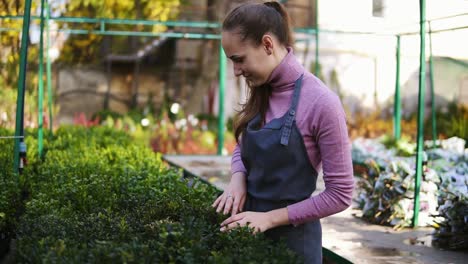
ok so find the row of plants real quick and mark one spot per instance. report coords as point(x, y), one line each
point(10, 192)
point(451, 121)
point(386, 196)
point(98, 196)
point(452, 229)
point(386, 186)
point(167, 133)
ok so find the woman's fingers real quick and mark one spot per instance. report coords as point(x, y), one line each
point(230, 226)
point(232, 219)
point(222, 203)
point(228, 205)
point(216, 202)
point(235, 206)
point(238, 223)
point(241, 204)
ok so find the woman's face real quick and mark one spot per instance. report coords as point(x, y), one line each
point(251, 61)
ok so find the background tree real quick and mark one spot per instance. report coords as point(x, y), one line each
point(10, 44)
point(76, 49)
point(88, 48)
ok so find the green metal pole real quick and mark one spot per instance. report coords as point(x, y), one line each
point(222, 87)
point(317, 64)
point(431, 75)
point(422, 87)
point(397, 103)
point(49, 70)
point(40, 120)
point(19, 129)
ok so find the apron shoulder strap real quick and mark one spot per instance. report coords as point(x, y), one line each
point(292, 112)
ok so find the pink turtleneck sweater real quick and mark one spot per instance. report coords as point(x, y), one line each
point(322, 123)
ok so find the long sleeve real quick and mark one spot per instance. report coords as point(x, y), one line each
point(236, 161)
point(329, 128)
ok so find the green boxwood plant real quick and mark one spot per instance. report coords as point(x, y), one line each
point(100, 197)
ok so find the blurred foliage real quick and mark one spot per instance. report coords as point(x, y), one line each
point(185, 134)
point(10, 45)
point(86, 48)
point(104, 114)
point(77, 48)
point(451, 121)
point(374, 125)
point(403, 146)
point(321, 76)
point(8, 106)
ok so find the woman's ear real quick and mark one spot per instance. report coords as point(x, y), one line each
point(267, 42)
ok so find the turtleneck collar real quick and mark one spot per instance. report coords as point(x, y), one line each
point(286, 73)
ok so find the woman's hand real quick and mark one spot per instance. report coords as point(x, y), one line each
point(233, 198)
point(260, 221)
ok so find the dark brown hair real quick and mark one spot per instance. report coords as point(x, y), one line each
point(252, 22)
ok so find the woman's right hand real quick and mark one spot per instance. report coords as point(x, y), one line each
point(233, 198)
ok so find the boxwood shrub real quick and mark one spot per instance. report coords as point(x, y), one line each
point(9, 192)
point(100, 197)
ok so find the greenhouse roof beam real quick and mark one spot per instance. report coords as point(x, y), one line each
point(132, 33)
point(313, 31)
point(447, 17)
point(115, 21)
point(435, 31)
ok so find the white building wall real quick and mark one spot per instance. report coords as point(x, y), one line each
point(366, 63)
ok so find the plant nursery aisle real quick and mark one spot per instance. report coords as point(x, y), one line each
point(345, 234)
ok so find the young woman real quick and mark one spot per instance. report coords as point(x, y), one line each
point(291, 126)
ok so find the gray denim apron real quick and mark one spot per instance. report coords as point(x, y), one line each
point(279, 173)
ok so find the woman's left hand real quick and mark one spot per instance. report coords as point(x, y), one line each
point(258, 220)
